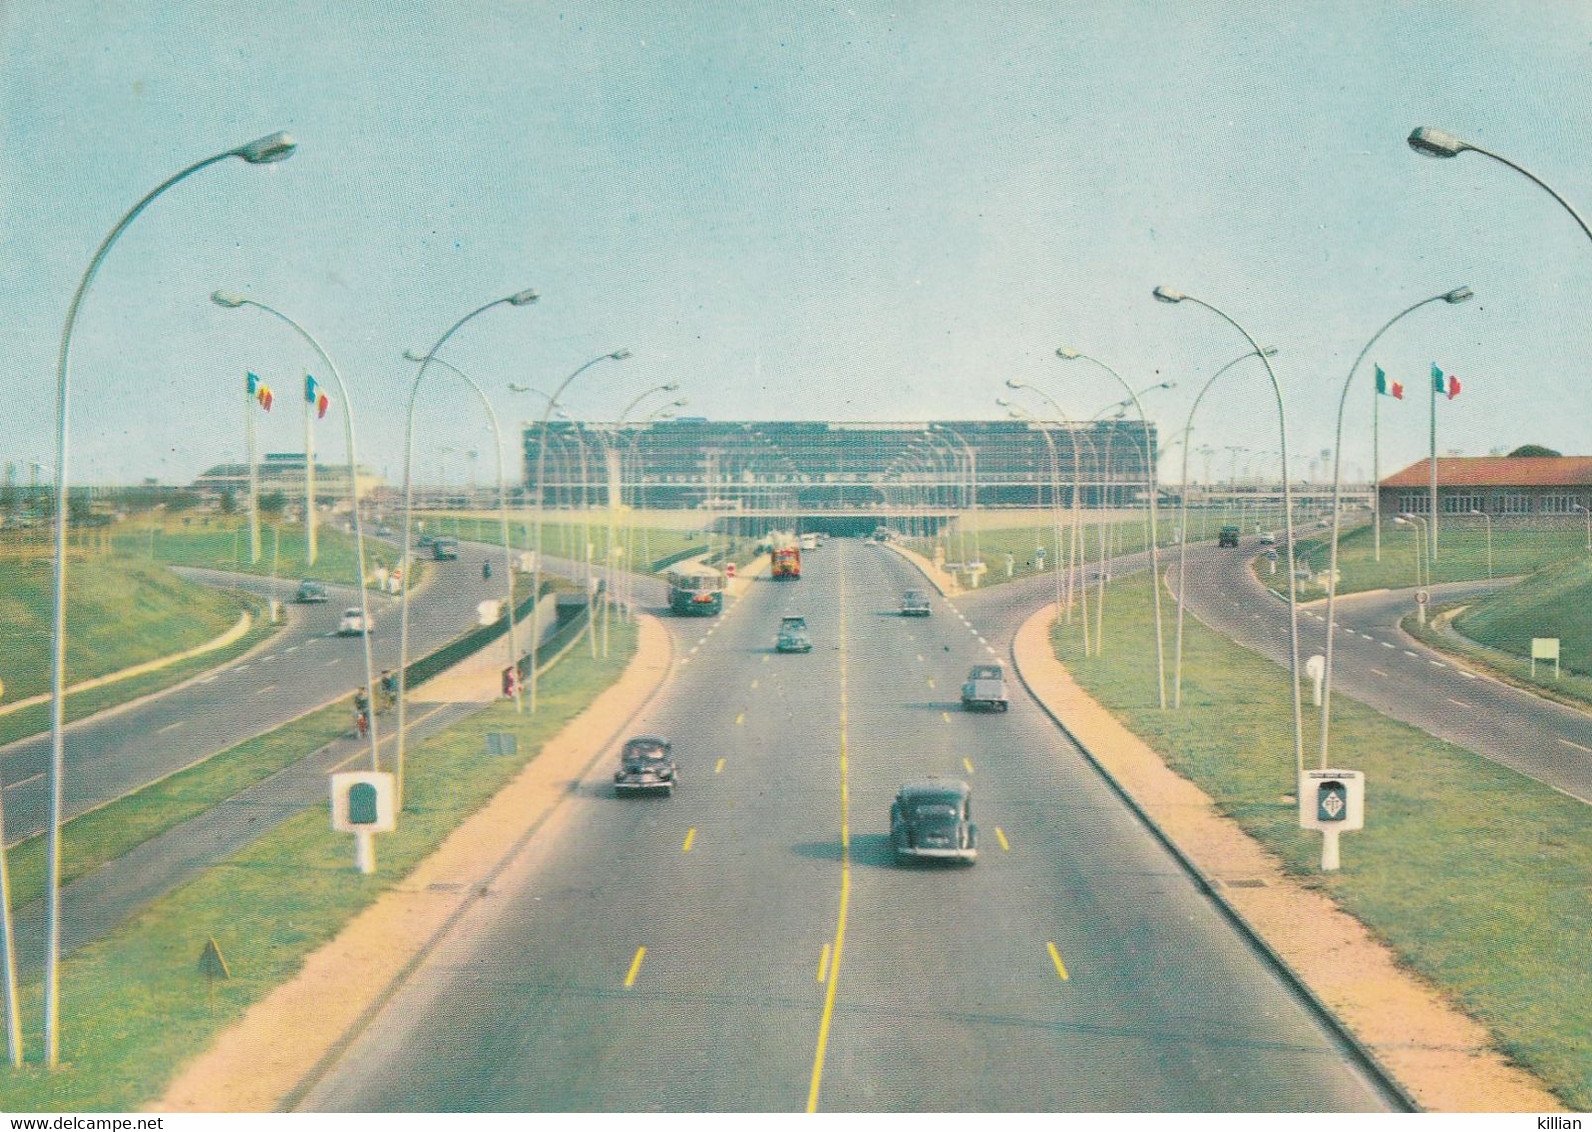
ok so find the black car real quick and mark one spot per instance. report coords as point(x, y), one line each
point(646, 766)
point(933, 820)
point(1227, 536)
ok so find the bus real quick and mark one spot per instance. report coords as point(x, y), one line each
point(787, 561)
point(696, 593)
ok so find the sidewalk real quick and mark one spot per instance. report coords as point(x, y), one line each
point(280, 1046)
point(1441, 1056)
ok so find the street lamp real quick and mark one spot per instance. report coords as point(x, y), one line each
point(1055, 489)
point(1588, 515)
point(541, 466)
point(503, 515)
point(1182, 550)
point(1167, 295)
point(518, 299)
point(1149, 471)
point(233, 301)
point(1488, 519)
point(1453, 297)
point(1419, 524)
point(262, 151)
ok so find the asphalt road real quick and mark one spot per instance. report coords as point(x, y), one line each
point(304, 666)
point(1374, 662)
point(770, 935)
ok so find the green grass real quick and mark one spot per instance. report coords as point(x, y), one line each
point(102, 835)
point(34, 719)
point(120, 612)
point(1126, 537)
point(221, 542)
point(1567, 688)
point(134, 1007)
point(646, 546)
point(1477, 876)
point(1554, 602)
point(1462, 553)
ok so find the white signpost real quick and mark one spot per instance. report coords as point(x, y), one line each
point(1545, 648)
point(363, 803)
point(1332, 801)
point(1421, 598)
point(1316, 669)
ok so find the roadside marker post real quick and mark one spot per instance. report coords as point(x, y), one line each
point(1316, 669)
point(1421, 598)
point(1545, 648)
point(363, 803)
point(1332, 801)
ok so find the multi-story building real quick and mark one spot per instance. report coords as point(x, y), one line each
point(816, 466)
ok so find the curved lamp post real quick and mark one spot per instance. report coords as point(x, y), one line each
point(1073, 436)
point(972, 485)
point(503, 523)
point(1021, 413)
point(518, 299)
point(1453, 297)
point(1182, 550)
point(233, 302)
point(1167, 295)
point(1482, 515)
point(541, 467)
point(1149, 470)
point(262, 151)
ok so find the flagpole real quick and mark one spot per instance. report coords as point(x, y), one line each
point(1432, 391)
point(309, 473)
point(1376, 473)
point(254, 473)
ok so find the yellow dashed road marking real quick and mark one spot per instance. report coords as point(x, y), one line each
point(635, 967)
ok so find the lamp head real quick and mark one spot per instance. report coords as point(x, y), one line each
point(670, 387)
point(272, 148)
point(229, 299)
point(680, 402)
point(417, 356)
point(1435, 143)
point(1268, 351)
point(1064, 352)
point(523, 298)
point(1459, 295)
point(620, 354)
point(1167, 295)
point(1003, 401)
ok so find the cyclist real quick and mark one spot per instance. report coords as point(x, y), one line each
point(486, 568)
point(389, 688)
point(361, 713)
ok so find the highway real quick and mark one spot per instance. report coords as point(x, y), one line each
point(302, 667)
point(748, 944)
point(1374, 662)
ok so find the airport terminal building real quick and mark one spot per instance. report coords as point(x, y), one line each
point(693, 462)
point(1503, 487)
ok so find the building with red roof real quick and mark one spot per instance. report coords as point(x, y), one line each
point(1500, 486)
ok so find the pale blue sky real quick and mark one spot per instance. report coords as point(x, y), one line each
point(855, 212)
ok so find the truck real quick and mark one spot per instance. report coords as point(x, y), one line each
point(786, 556)
point(985, 688)
point(445, 549)
point(696, 592)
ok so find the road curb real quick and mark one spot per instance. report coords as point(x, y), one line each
point(1358, 1052)
point(289, 1040)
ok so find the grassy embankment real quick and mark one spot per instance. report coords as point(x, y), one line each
point(135, 1007)
point(1462, 554)
point(1476, 875)
point(221, 542)
point(646, 546)
point(121, 612)
point(1126, 535)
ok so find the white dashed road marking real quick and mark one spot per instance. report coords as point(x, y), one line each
point(170, 727)
point(1566, 742)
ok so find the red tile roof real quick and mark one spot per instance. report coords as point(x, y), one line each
point(1497, 471)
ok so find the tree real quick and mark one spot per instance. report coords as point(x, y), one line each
point(272, 503)
point(1534, 450)
point(229, 502)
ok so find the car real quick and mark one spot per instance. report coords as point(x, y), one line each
point(353, 623)
point(1267, 538)
point(985, 688)
point(646, 766)
point(933, 820)
point(311, 592)
point(1227, 536)
point(793, 635)
point(915, 603)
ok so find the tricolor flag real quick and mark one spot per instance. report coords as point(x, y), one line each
point(314, 396)
point(260, 391)
point(1388, 388)
point(1446, 384)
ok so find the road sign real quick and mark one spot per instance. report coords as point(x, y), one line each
point(1545, 648)
point(212, 966)
point(1332, 801)
point(1422, 597)
point(364, 804)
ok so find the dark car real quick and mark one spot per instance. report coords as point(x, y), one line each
point(933, 820)
point(311, 592)
point(646, 766)
point(793, 635)
point(915, 603)
point(1227, 536)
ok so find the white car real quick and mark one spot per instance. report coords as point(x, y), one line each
point(352, 624)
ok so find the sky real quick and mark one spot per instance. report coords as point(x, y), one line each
point(844, 212)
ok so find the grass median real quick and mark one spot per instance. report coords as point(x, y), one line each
point(134, 1005)
point(1462, 553)
point(1476, 875)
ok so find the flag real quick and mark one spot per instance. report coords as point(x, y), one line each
point(1388, 388)
point(265, 397)
point(253, 384)
point(1446, 384)
point(314, 396)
